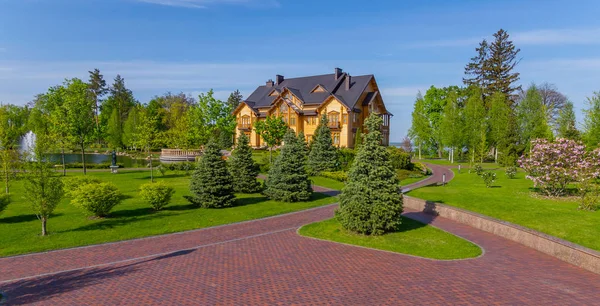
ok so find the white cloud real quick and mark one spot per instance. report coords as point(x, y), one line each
point(205, 3)
point(574, 36)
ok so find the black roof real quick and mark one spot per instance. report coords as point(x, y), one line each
point(302, 87)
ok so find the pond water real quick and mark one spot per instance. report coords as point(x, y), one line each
point(126, 161)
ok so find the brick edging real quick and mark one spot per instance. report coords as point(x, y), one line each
point(564, 250)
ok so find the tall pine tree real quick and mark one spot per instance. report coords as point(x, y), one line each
point(243, 168)
point(323, 155)
point(97, 87)
point(371, 202)
point(288, 180)
point(234, 100)
point(212, 184)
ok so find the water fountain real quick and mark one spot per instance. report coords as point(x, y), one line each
point(27, 143)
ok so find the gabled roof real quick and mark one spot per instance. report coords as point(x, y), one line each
point(303, 86)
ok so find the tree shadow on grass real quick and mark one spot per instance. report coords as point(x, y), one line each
point(113, 222)
point(23, 218)
point(44, 288)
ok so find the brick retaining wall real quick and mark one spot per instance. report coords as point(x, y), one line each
point(572, 253)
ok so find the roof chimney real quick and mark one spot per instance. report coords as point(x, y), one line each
point(270, 83)
point(338, 73)
point(278, 79)
point(348, 81)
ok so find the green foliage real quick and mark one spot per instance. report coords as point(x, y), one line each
point(158, 194)
point(400, 159)
point(91, 166)
point(591, 122)
point(567, 123)
point(243, 168)
point(288, 180)
point(235, 98)
point(589, 194)
point(371, 202)
point(340, 176)
point(475, 125)
point(4, 201)
point(422, 168)
point(97, 199)
point(511, 172)
point(452, 125)
point(420, 130)
point(532, 118)
point(71, 184)
point(358, 138)
point(488, 178)
point(272, 131)
point(478, 169)
point(346, 157)
point(323, 155)
point(162, 169)
point(114, 133)
point(212, 184)
point(185, 167)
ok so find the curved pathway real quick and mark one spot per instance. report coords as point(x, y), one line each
point(436, 177)
point(266, 262)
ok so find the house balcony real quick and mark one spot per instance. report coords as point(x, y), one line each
point(244, 127)
point(334, 125)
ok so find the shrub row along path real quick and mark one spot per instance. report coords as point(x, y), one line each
point(266, 262)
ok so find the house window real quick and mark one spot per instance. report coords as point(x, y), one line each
point(355, 118)
point(345, 118)
point(245, 121)
point(333, 117)
point(336, 138)
point(293, 120)
point(313, 120)
point(283, 108)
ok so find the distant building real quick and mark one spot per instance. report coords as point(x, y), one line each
point(346, 100)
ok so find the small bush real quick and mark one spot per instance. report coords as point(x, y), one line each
point(90, 165)
point(71, 184)
point(162, 169)
point(346, 157)
point(589, 195)
point(511, 172)
point(478, 169)
point(421, 167)
point(4, 201)
point(98, 199)
point(340, 176)
point(488, 178)
point(400, 159)
point(158, 195)
point(186, 167)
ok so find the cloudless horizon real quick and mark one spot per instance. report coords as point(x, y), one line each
point(192, 46)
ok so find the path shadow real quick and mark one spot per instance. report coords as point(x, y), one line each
point(23, 218)
point(44, 288)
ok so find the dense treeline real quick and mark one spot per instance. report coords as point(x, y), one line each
point(493, 118)
point(79, 115)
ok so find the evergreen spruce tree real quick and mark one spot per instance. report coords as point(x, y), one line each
point(288, 180)
point(566, 123)
point(212, 184)
point(302, 140)
point(323, 155)
point(371, 202)
point(243, 168)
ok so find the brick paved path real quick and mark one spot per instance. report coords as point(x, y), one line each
point(266, 262)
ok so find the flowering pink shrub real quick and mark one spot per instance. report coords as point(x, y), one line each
point(552, 166)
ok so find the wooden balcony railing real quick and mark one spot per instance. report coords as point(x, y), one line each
point(243, 126)
point(334, 124)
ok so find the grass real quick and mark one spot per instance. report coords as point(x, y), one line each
point(133, 218)
point(327, 182)
point(413, 238)
point(514, 200)
point(464, 163)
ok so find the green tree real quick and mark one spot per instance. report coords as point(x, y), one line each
point(323, 155)
point(531, 115)
point(13, 125)
point(499, 118)
point(113, 130)
point(434, 103)
point(288, 180)
point(146, 135)
point(97, 87)
point(130, 128)
point(79, 114)
point(358, 138)
point(475, 125)
point(43, 188)
point(212, 184)
point(371, 202)
point(121, 101)
point(591, 122)
point(452, 125)
point(420, 130)
point(243, 168)
point(271, 130)
point(50, 113)
point(235, 98)
point(493, 67)
point(566, 124)
point(218, 118)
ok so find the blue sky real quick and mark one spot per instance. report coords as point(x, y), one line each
point(195, 45)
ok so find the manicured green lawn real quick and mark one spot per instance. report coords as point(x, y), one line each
point(133, 218)
point(463, 164)
point(414, 238)
point(327, 182)
point(411, 180)
point(513, 200)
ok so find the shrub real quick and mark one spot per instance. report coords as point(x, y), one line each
point(211, 184)
point(4, 201)
point(371, 202)
point(399, 158)
point(511, 172)
point(478, 169)
point(421, 167)
point(71, 184)
point(162, 169)
point(488, 178)
point(91, 165)
point(288, 180)
point(346, 157)
point(158, 194)
point(98, 199)
point(340, 176)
